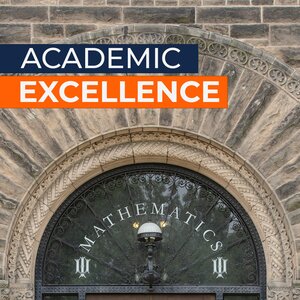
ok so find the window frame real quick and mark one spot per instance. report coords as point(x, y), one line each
point(219, 291)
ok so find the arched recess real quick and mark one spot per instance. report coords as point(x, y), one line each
point(107, 153)
point(250, 149)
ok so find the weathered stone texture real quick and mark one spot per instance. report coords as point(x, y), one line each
point(214, 2)
point(166, 117)
point(73, 29)
point(252, 113)
point(166, 2)
point(285, 34)
point(262, 2)
point(195, 120)
point(19, 136)
point(159, 15)
point(211, 66)
point(70, 2)
point(118, 2)
point(221, 29)
point(11, 34)
point(228, 15)
point(287, 173)
point(250, 31)
point(133, 117)
point(48, 30)
point(150, 116)
point(238, 2)
point(270, 128)
point(286, 2)
point(212, 117)
point(285, 152)
point(292, 204)
point(93, 3)
point(23, 14)
point(180, 118)
point(190, 2)
point(258, 43)
point(33, 2)
point(290, 55)
point(10, 191)
point(142, 2)
point(85, 14)
point(281, 14)
point(289, 188)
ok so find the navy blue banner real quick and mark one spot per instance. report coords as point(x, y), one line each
point(98, 58)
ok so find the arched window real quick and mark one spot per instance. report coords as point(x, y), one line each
point(209, 245)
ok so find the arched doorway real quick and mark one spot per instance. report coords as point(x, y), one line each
point(210, 246)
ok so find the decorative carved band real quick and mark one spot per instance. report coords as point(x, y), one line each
point(283, 294)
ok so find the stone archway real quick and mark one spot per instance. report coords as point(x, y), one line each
point(99, 155)
point(264, 94)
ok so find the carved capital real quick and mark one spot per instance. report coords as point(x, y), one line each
point(4, 294)
point(280, 293)
point(296, 293)
point(20, 294)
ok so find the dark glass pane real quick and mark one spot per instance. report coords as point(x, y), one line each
point(241, 297)
point(205, 241)
point(60, 297)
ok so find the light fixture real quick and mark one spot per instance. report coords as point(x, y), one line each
point(150, 233)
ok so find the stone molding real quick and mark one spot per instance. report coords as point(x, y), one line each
point(210, 44)
point(94, 157)
point(283, 294)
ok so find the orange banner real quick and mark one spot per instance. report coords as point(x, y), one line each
point(113, 92)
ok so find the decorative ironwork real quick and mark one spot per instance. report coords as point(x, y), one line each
point(208, 239)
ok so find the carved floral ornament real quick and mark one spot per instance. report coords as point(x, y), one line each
point(107, 153)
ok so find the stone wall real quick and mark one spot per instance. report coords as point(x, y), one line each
point(259, 133)
point(251, 149)
point(273, 25)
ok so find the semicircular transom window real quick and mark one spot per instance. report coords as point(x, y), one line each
point(208, 242)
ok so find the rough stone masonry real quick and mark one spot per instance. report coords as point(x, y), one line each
point(273, 25)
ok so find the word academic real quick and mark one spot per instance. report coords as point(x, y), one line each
point(99, 58)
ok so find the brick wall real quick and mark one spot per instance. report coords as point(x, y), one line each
point(273, 25)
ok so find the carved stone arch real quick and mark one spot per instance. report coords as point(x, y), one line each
point(106, 153)
point(153, 135)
